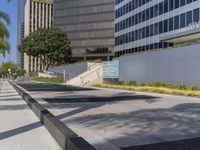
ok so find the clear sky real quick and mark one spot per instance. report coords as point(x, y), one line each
point(11, 9)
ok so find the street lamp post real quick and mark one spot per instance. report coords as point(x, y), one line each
point(9, 72)
point(64, 76)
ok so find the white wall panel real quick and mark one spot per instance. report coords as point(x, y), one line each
point(177, 65)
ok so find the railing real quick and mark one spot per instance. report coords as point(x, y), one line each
point(93, 65)
point(92, 76)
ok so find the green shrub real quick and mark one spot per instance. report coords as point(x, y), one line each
point(182, 87)
point(146, 84)
point(131, 83)
point(47, 80)
point(195, 88)
point(163, 90)
point(162, 84)
point(158, 84)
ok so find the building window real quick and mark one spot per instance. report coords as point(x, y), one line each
point(189, 18)
point(165, 25)
point(196, 15)
point(182, 2)
point(176, 22)
point(182, 21)
point(171, 24)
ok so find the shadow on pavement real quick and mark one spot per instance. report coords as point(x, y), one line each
point(51, 87)
point(20, 130)
point(98, 99)
point(13, 107)
point(188, 144)
point(141, 127)
point(11, 99)
point(6, 92)
point(10, 95)
point(173, 124)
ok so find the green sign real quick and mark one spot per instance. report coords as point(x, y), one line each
point(111, 69)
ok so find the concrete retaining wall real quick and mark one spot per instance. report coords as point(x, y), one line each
point(71, 70)
point(177, 65)
point(65, 137)
point(46, 75)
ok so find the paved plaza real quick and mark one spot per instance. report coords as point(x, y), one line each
point(117, 119)
point(20, 129)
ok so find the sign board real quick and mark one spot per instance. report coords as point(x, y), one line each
point(26, 77)
point(111, 69)
point(191, 26)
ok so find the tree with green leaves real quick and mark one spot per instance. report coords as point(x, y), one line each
point(5, 67)
point(51, 46)
point(4, 33)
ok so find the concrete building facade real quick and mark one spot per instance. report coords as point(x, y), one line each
point(89, 25)
point(144, 25)
point(158, 40)
point(38, 14)
point(20, 31)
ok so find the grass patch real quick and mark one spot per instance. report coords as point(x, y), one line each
point(164, 88)
point(47, 80)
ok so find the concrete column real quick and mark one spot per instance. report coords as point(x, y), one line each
point(32, 14)
point(40, 15)
point(46, 14)
point(49, 16)
point(36, 14)
point(35, 68)
point(43, 15)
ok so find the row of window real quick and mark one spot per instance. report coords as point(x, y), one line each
point(173, 23)
point(154, 46)
point(167, 5)
point(154, 11)
point(129, 7)
point(118, 1)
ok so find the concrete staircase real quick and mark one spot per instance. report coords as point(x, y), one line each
point(94, 74)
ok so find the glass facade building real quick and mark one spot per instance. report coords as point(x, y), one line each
point(142, 25)
point(20, 31)
point(89, 24)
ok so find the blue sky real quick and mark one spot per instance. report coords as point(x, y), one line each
point(11, 9)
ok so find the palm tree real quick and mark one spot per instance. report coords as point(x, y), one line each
point(4, 33)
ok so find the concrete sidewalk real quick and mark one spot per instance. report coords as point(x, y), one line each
point(118, 119)
point(20, 129)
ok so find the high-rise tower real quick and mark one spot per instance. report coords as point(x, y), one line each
point(89, 25)
point(20, 31)
point(38, 14)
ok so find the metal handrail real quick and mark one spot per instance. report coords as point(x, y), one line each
point(90, 66)
point(93, 71)
point(82, 79)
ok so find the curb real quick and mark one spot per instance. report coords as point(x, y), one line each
point(64, 136)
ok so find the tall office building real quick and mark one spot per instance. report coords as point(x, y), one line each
point(20, 31)
point(89, 25)
point(158, 40)
point(142, 25)
point(38, 14)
